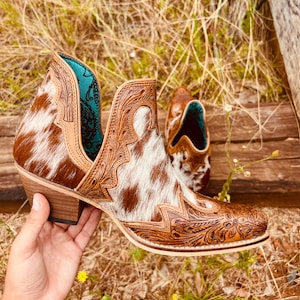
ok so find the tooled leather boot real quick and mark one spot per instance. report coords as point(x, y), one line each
point(187, 139)
point(126, 172)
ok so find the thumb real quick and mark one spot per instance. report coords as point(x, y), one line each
point(35, 221)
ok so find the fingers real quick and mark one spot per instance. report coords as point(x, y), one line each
point(80, 233)
point(74, 230)
point(27, 238)
point(86, 226)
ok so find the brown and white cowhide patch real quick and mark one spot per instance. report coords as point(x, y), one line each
point(39, 145)
point(148, 179)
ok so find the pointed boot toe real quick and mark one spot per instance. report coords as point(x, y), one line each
point(187, 139)
point(209, 227)
point(126, 172)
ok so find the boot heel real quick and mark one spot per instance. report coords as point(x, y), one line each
point(63, 208)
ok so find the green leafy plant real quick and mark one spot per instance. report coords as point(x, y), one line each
point(245, 261)
point(137, 254)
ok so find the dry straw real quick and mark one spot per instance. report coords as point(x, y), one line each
point(221, 51)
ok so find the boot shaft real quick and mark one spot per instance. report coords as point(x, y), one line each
point(61, 131)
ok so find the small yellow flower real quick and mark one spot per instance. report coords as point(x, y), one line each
point(275, 153)
point(82, 276)
point(251, 260)
point(175, 297)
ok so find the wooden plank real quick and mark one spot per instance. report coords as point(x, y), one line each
point(264, 178)
point(8, 125)
point(267, 122)
point(286, 16)
point(270, 199)
point(9, 177)
point(245, 153)
point(6, 145)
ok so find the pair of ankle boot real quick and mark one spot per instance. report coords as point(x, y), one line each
point(148, 187)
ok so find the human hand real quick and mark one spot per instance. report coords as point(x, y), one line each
point(45, 256)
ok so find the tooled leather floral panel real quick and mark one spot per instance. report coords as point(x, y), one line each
point(67, 100)
point(66, 90)
point(120, 133)
point(192, 227)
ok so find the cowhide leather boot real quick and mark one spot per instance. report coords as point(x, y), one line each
point(187, 139)
point(60, 151)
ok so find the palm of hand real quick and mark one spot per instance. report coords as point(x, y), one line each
point(45, 267)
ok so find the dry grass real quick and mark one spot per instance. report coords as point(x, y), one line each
point(223, 52)
point(121, 271)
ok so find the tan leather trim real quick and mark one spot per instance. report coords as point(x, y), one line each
point(181, 97)
point(67, 100)
point(119, 134)
point(193, 226)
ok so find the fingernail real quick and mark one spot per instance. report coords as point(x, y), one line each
point(36, 203)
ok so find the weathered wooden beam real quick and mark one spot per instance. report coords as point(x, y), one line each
point(8, 125)
point(286, 18)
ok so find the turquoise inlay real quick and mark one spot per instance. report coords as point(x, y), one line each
point(90, 107)
point(193, 126)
